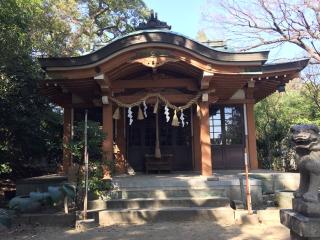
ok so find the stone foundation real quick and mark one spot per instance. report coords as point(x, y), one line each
point(301, 227)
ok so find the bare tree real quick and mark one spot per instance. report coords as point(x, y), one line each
point(252, 24)
point(268, 22)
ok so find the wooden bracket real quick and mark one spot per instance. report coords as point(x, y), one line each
point(251, 83)
point(205, 97)
point(250, 89)
point(104, 83)
point(205, 81)
point(105, 99)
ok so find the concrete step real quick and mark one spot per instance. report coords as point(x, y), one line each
point(140, 203)
point(167, 193)
point(141, 216)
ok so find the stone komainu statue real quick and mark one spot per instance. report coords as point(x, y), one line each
point(306, 140)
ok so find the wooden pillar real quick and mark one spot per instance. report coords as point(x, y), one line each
point(196, 141)
point(252, 145)
point(205, 145)
point(120, 144)
point(107, 128)
point(67, 134)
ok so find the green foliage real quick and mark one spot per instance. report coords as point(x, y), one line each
point(73, 27)
point(97, 185)
point(30, 127)
point(95, 139)
point(5, 168)
point(274, 117)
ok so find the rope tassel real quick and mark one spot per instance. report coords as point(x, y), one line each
point(155, 109)
point(175, 121)
point(198, 111)
point(157, 152)
point(116, 114)
point(140, 114)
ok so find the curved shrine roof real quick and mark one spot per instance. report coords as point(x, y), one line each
point(162, 38)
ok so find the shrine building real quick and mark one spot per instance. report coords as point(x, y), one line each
point(165, 101)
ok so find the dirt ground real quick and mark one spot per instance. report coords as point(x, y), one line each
point(155, 231)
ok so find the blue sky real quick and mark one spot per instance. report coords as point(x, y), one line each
point(183, 15)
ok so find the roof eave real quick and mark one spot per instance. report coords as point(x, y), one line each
point(155, 37)
point(286, 66)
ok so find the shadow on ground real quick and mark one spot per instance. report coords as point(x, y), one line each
point(156, 231)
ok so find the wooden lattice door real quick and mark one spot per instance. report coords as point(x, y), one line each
point(173, 140)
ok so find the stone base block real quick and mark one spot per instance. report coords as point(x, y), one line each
point(84, 225)
point(301, 227)
point(308, 209)
point(242, 217)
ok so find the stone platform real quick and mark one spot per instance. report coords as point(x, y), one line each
point(39, 184)
point(226, 184)
point(308, 209)
point(171, 197)
point(301, 227)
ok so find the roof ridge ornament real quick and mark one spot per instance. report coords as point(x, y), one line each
point(153, 23)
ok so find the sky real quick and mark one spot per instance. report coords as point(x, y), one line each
point(185, 17)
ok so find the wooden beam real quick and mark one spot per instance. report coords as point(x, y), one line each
point(235, 101)
point(173, 98)
point(187, 83)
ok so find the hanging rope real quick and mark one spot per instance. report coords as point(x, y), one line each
point(163, 99)
point(157, 152)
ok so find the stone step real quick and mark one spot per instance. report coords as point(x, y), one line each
point(223, 215)
point(139, 203)
point(171, 181)
point(167, 193)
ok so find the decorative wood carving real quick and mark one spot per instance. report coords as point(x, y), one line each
point(153, 58)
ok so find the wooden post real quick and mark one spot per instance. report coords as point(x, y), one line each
point(120, 141)
point(248, 186)
point(205, 145)
point(67, 134)
point(107, 128)
point(196, 141)
point(252, 145)
point(86, 165)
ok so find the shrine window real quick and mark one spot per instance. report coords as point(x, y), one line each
point(226, 125)
point(215, 124)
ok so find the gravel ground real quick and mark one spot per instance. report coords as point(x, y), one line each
point(155, 231)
